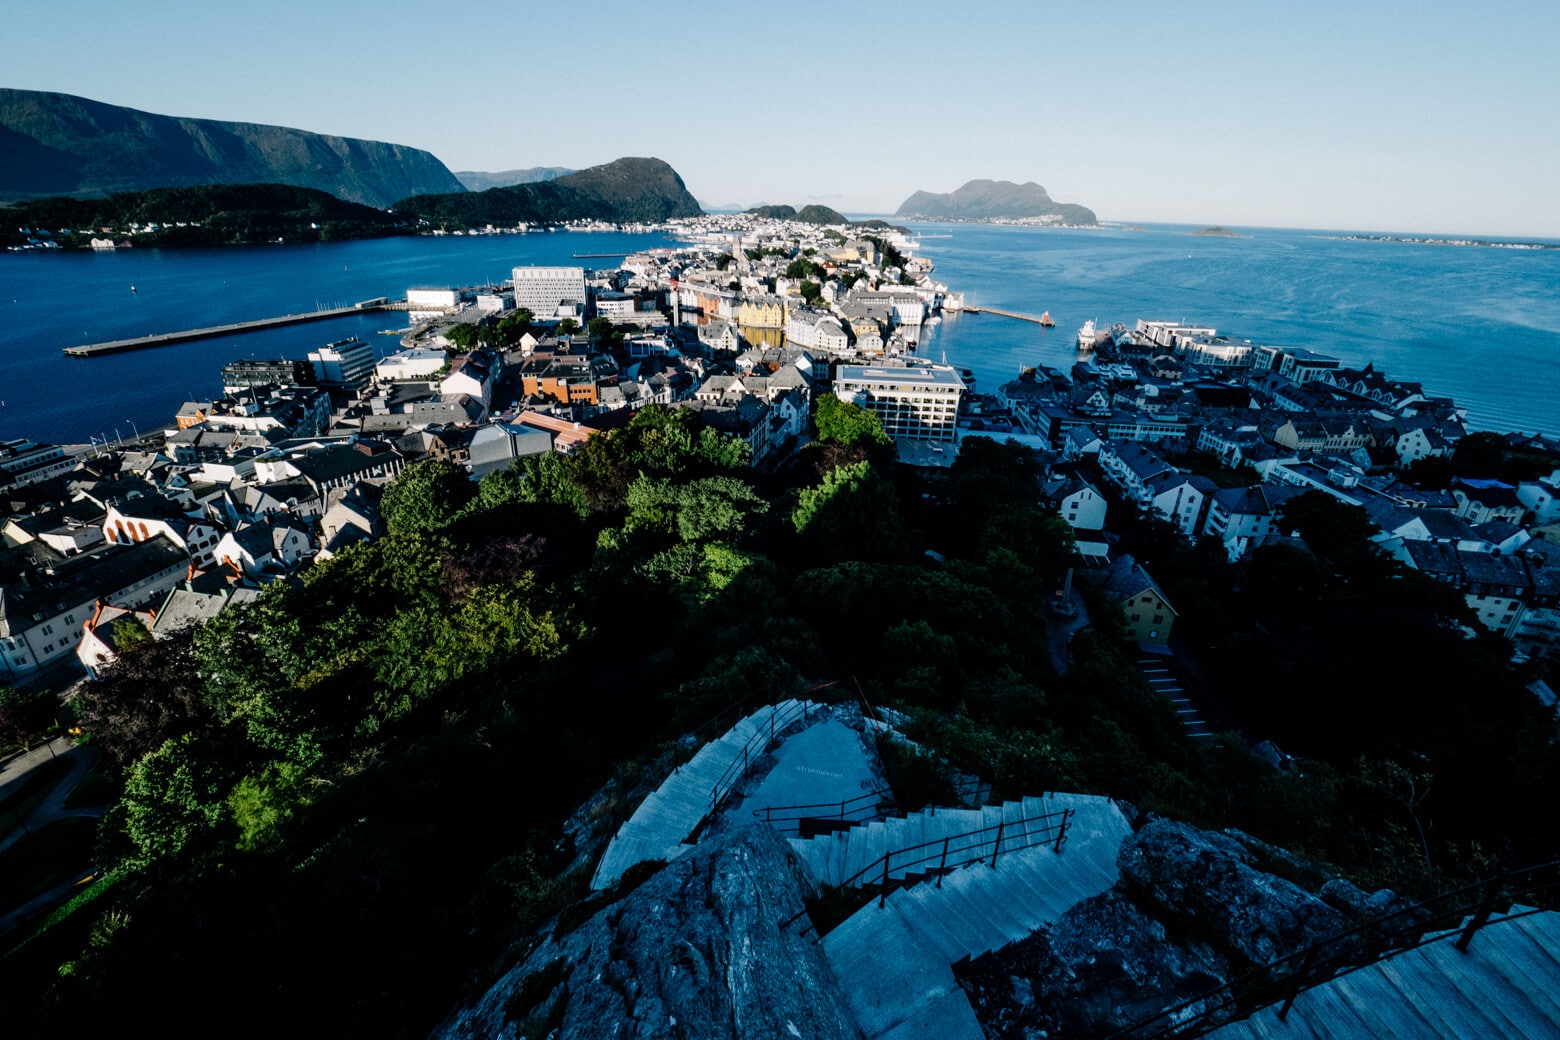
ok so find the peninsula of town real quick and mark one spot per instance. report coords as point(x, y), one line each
point(745, 326)
point(676, 643)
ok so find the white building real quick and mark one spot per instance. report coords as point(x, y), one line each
point(419, 363)
point(541, 290)
point(344, 365)
point(920, 402)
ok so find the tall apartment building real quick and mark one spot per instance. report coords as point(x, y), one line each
point(347, 364)
point(921, 402)
point(541, 289)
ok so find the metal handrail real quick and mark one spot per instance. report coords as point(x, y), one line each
point(840, 810)
point(960, 850)
point(738, 768)
point(1459, 912)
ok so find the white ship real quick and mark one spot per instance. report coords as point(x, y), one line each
point(1086, 336)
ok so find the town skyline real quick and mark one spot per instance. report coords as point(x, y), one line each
point(1326, 117)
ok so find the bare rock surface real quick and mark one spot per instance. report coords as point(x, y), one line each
point(1192, 910)
point(695, 951)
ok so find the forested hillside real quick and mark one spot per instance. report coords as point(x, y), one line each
point(343, 805)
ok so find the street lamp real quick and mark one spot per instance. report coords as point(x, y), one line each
point(119, 438)
point(133, 427)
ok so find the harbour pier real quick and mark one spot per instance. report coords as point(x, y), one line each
point(162, 339)
point(969, 309)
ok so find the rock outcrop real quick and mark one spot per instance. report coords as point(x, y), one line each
point(1193, 910)
point(697, 950)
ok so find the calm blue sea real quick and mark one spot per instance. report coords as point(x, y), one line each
point(1479, 324)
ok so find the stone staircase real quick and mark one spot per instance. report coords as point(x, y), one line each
point(917, 839)
point(1156, 669)
point(1506, 986)
point(660, 827)
point(893, 957)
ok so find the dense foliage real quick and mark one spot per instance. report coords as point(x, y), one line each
point(348, 797)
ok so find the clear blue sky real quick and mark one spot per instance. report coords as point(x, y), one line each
point(1430, 116)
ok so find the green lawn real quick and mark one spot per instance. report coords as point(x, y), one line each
point(47, 858)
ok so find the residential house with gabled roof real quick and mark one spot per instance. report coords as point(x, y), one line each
point(67, 529)
point(101, 636)
point(264, 550)
point(1133, 468)
point(1077, 501)
point(1182, 499)
point(744, 417)
point(567, 437)
point(151, 516)
point(1482, 500)
point(46, 598)
point(199, 598)
point(496, 446)
point(352, 516)
point(1147, 610)
point(1541, 497)
point(1242, 516)
point(474, 374)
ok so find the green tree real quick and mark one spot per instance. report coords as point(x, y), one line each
point(709, 507)
point(802, 268)
point(853, 513)
point(599, 329)
point(425, 497)
point(849, 424)
point(174, 797)
point(812, 292)
point(462, 337)
point(150, 695)
point(568, 326)
point(546, 478)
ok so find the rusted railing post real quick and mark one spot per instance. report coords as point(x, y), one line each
point(1295, 982)
point(942, 868)
point(1061, 832)
point(1477, 921)
point(998, 846)
point(883, 896)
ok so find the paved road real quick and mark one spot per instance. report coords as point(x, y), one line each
point(82, 759)
point(14, 770)
point(1060, 630)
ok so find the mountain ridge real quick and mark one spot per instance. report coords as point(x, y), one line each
point(626, 190)
point(477, 180)
point(62, 144)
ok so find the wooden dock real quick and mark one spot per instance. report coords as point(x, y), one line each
point(163, 339)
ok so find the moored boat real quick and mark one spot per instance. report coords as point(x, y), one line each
point(1086, 336)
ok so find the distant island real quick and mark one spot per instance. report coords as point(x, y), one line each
point(1216, 231)
point(996, 200)
point(476, 181)
point(813, 214)
point(60, 144)
point(1420, 241)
